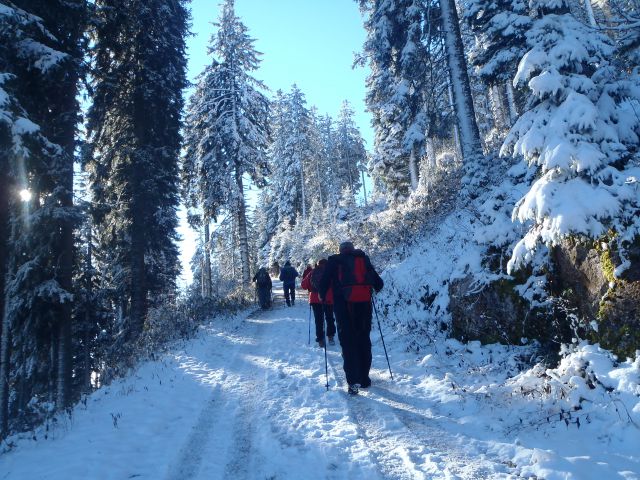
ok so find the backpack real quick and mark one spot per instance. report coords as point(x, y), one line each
point(262, 280)
point(352, 274)
point(316, 278)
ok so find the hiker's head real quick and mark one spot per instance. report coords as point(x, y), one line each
point(287, 263)
point(346, 247)
point(322, 262)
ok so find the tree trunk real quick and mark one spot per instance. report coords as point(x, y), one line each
point(511, 101)
point(413, 169)
point(431, 153)
point(456, 130)
point(242, 230)
point(138, 311)
point(206, 268)
point(5, 355)
point(319, 176)
point(364, 188)
point(4, 225)
point(497, 108)
point(65, 270)
point(86, 351)
point(463, 102)
point(302, 192)
point(589, 9)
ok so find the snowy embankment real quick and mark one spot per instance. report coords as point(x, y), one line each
point(580, 420)
point(247, 399)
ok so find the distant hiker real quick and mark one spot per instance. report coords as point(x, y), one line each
point(351, 276)
point(322, 311)
point(288, 276)
point(263, 287)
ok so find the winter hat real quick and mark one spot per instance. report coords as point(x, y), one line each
point(287, 263)
point(346, 247)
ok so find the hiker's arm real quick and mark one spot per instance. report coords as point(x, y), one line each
point(376, 281)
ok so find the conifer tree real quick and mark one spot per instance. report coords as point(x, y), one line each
point(350, 151)
point(579, 132)
point(41, 48)
point(134, 140)
point(227, 129)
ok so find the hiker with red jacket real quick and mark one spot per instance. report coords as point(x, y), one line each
point(322, 310)
point(351, 277)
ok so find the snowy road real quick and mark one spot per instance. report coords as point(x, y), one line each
point(247, 400)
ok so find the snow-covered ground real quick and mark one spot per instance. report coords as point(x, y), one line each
point(246, 399)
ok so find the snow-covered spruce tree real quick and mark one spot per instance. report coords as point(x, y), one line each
point(138, 75)
point(41, 51)
point(351, 155)
point(226, 132)
point(397, 58)
point(291, 154)
point(499, 29)
point(318, 172)
point(580, 132)
point(327, 156)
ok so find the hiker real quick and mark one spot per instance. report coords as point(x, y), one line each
point(351, 276)
point(263, 287)
point(322, 311)
point(288, 276)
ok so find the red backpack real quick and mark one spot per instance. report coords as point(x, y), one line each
point(352, 274)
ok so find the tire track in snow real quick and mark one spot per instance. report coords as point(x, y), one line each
point(191, 453)
point(189, 459)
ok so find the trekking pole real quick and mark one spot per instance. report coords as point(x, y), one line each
point(309, 324)
point(382, 337)
point(326, 364)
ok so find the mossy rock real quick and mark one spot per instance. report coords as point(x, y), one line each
point(494, 314)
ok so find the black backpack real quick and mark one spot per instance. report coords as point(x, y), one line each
point(262, 280)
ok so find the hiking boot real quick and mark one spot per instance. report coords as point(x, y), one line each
point(353, 389)
point(288, 303)
point(331, 341)
point(321, 343)
point(366, 383)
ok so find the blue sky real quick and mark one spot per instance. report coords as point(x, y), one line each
point(307, 42)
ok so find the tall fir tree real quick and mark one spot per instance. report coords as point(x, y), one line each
point(42, 50)
point(350, 152)
point(227, 130)
point(134, 140)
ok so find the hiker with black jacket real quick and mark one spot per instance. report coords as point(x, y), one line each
point(322, 310)
point(351, 277)
point(263, 287)
point(288, 276)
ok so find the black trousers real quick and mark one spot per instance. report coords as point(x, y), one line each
point(323, 313)
point(289, 293)
point(264, 297)
point(330, 321)
point(354, 327)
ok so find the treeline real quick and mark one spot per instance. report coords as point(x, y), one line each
point(302, 161)
point(84, 258)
